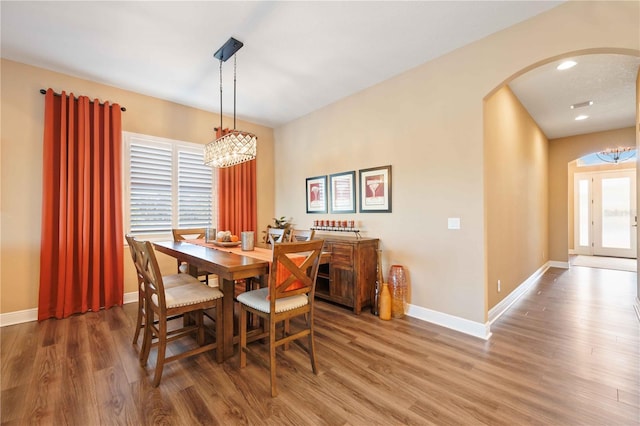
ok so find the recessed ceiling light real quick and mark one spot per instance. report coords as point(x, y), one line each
point(566, 65)
point(581, 104)
point(581, 117)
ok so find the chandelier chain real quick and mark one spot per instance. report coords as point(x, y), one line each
point(221, 96)
point(234, 90)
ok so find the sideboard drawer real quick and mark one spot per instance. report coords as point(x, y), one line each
point(342, 254)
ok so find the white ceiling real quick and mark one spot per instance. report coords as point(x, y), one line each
point(297, 58)
point(607, 80)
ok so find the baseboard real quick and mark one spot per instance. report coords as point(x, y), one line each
point(558, 264)
point(572, 251)
point(130, 297)
point(18, 317)
point(505, 304)
point(28, 315)
point(462, 325)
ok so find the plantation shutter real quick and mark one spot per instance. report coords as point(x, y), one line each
point(195, 198)
point(167, 186)
point(151, 189)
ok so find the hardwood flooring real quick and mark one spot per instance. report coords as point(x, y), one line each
point(567, 353)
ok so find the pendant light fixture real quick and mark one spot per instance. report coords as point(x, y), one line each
point(235, 146)
point(616, 155)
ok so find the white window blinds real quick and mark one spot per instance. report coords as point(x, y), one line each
point(195, 197)
point(166, 186)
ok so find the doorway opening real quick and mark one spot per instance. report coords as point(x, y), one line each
point(604, 214)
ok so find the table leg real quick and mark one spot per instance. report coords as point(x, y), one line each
point(227, 320)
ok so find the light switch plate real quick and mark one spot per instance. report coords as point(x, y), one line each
point(453, 223)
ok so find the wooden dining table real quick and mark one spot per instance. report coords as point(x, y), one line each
point(230, 264)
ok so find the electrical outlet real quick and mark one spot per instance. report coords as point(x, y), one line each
point(498, 286)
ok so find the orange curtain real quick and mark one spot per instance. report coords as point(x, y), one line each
point(237, 196)
point(81, 254)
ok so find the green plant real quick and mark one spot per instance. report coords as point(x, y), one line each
point(282, 222)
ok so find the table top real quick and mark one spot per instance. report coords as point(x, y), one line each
point(220, 262)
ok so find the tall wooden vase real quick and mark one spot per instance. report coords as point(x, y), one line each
point(385, 302)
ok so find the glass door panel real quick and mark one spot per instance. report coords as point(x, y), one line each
point(616, 213)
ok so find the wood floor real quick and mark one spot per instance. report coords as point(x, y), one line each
point(567, 353)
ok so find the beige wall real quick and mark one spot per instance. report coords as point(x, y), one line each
point(427, 123)
point(21, 155)
point(561, 152)
point(516, 197)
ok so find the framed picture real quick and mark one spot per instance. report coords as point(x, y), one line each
point(343, 193)
point(375, 190)
point(317, 194)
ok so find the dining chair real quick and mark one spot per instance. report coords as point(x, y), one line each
point(169, 281)
point(289, 294)
point(275, 235)
point(185, 234)
point(163, 303)
point(301, 235)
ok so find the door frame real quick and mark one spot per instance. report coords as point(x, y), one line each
point(594, 217)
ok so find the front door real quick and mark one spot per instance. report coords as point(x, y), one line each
point(605, 213)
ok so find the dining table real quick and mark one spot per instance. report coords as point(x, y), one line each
point(229, 263)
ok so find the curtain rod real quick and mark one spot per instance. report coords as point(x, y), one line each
point(43, 91)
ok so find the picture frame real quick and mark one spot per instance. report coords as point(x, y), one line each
point(343, 193)
point(316, 194)
point(375, 190)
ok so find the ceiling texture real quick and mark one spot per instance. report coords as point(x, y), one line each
point(297, 56)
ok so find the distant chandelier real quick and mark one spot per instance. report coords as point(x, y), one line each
point(616, 155)
point(236, 146)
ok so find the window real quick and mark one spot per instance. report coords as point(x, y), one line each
point(166, 185)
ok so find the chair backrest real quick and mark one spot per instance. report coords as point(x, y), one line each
point(181, 234)
point(275, 235)
point(294, 269)
point(135, 256)
point(148, 266)
point(301, 235)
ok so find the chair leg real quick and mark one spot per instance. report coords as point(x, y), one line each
point(147, 338)
point(219, 332)
point(139, 324)
point(199, 317)
point(272, 357)
point(312, 348)
point(162, 347)
point(285, 331)
point(243, 336)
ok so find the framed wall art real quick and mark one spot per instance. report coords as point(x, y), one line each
point(375, 190)
point(343, 193)
point(317, 194)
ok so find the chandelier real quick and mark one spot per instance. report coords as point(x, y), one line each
point(616, 155)
point(235, 146)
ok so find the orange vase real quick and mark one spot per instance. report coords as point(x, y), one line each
point(385, 302)
point(398, 290)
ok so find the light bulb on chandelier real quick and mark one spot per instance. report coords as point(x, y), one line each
point(235, 146)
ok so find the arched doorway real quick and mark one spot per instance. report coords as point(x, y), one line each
point(536, 226)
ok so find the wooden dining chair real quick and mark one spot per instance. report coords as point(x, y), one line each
point(169, 281)
point(275, 235)
point(163, 303)
point(289, 294)
point(185, 234)
point(301, 235)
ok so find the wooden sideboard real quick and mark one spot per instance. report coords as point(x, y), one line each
point(350, 275)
